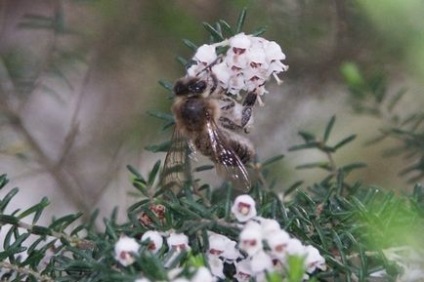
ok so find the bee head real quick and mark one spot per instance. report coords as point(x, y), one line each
point(191, 86)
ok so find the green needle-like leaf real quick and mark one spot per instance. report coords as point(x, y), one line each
point(329, 128)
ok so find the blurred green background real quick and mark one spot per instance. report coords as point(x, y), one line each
point(79, 77)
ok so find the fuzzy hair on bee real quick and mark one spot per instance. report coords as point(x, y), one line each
point(203, 121)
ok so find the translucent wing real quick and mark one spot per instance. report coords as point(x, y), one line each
point(226, 160)
point(174, 168)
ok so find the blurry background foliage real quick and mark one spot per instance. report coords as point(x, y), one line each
point(77, 79)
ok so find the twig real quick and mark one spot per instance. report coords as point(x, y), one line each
point(25, 271)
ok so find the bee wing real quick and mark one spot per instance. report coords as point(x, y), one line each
point(226, 160)
point(173, 173)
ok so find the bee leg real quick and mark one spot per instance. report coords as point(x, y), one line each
point(230, 103)
point(214, 82)
point(229, 124)
point(246, 113)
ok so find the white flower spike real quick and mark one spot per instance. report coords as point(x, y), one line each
point(248, 64)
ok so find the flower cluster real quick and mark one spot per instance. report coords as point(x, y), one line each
point(263, 246)
point(246, 65)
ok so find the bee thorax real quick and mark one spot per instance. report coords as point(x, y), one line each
point(193, 114)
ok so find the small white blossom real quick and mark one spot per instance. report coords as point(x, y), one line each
point(202, 275)
point(205, 55)
point(222, 74)
point(295, 247)
point(125, 250)
point(216, 265)
point(155, 240)
point(194, 69)
point(220, 245)
point(244, 208)
point(243, 270)
point(240, 42)
point(278, 242)
point(235, 84)
point(251, 238)
point(314, 260)
point(269, 225)
point(178, 242)
point(231, 253)
point(273, 52)
point(261, 262)
point(174, 273)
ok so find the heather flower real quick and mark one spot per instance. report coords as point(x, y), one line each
point(278, 242)
point(251, 238)
point(178, 242)
point(295, 247)
point(125, 250)
point(314, 259)
point(243, 270)
point(260, 262)
point(244, 208)
point(202, 275)
point(155, 240)
point(216, 265)
point(247, 65)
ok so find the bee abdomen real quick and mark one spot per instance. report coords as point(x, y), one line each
point(244, 151)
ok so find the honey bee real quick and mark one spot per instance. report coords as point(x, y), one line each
point(204, 121)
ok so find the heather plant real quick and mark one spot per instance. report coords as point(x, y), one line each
point(336, 229)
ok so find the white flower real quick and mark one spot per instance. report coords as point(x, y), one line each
point(231, 252)
point(222, 73)
point(236, 64)
point(216, 265)
point(273, 52)
point(205, 54)
point(125, 250)
point(194, 69)
point(155, 240)
point(221, 245)
point(173, 273)
point(202, 275)
point(295, 247)
point(217, 243)
point(278, 242)
point(260, 262)
point(235, 84)
point(269, 225)
point(257, 60)
point(178, 242)
point(243, 272)
point(314, 259)
point(251, 238)
point(258, 42)
point(244, 208)
point(239, 43)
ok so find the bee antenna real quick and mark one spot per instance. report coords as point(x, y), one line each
point(208, 67)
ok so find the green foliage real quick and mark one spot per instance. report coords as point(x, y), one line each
point(354, 225)
point(351, 224)
point(370, 96)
